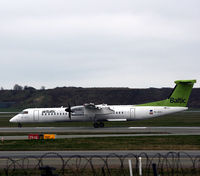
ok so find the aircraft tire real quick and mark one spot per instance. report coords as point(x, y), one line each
point(19, 125)
point(96, 125)
point(101, 124)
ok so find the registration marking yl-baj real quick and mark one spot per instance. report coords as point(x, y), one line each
point(176, 102)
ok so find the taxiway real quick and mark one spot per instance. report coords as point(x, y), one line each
point(117, 130)
point(88, 132)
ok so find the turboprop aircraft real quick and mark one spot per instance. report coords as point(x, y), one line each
point(98, 114)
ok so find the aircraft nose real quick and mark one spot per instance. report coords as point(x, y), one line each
point(14, 119)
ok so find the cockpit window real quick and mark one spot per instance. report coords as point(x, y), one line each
point(24, 112)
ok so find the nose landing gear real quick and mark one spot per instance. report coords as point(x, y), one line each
point(97, 125)
point(19, 125)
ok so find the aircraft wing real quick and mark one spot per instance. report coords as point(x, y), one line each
point(97, 110)
point(91, 106)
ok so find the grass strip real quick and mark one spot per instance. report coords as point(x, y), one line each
point(108, 143)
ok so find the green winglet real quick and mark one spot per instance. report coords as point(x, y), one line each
point(179, 96)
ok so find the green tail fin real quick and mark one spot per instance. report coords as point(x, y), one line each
point(179, 96)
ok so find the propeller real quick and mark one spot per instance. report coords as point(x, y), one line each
point(69, 110)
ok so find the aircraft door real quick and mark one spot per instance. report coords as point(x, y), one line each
point(132, 113)
point(36, 115)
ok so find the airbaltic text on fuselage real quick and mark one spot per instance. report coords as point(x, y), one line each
point(177, 100)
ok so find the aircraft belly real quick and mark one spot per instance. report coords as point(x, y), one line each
point(80, 118)
point(112, 117)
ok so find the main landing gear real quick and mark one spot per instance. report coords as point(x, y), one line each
point(97, 125)
point(19, 125)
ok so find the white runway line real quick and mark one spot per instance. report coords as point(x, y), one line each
point(137, 128)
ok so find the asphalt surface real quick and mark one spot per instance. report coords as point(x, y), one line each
point(90, 136)
point(172, 130)
point(88, 132)
point(81, 159)
point(150, 153)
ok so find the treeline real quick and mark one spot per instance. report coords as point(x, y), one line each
point(19, 87)
point(31, 97)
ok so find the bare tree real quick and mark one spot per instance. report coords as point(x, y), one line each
point(42, 88)
point(17, 87)
point(25, 87)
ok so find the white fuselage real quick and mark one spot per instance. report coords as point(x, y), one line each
point(117, 113)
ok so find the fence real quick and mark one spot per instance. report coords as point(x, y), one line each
point(53, 164)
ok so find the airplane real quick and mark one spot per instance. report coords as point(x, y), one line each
point(98, 114)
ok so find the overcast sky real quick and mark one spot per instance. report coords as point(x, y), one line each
point(107, 43)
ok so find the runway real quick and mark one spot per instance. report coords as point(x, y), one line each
point(115, 130)
point(89, 132)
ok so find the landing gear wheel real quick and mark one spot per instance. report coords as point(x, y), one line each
point(96, 125)
point(19, 125)
point(101, 124)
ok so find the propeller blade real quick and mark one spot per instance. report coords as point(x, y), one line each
point(68, 109)
point(70, 113)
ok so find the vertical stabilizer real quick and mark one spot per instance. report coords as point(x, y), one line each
point(181, 93)
point(179, 96)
